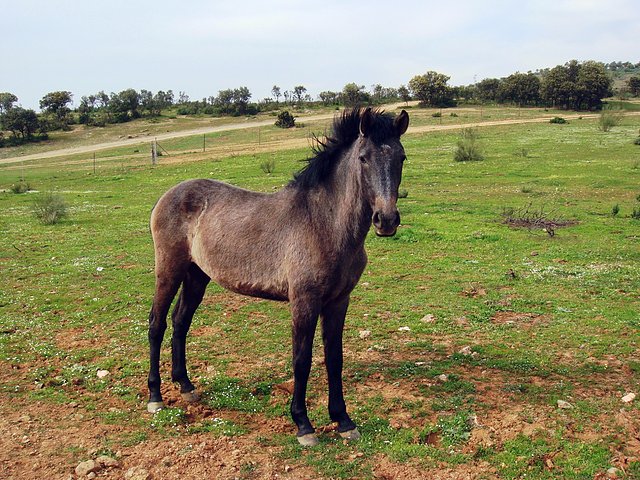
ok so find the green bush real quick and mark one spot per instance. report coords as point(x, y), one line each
point(558, 120)
point(609, 118)
point(636, 141)
point(50, 208)
point(468, 148)
point(285, 120)
point(20, 187)
point(268, 166)
point(615, 210)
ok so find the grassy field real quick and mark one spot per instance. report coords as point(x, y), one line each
point(479, 331)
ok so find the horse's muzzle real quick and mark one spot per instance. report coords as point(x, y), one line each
point(385, 224)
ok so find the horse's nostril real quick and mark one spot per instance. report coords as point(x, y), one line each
point(376, 219)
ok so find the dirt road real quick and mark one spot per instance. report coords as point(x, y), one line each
point(265, 123)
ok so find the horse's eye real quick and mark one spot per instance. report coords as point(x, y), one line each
point(363, 159)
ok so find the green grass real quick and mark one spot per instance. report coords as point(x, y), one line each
point(551, 317)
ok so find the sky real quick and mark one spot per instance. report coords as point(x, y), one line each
point(201, 47)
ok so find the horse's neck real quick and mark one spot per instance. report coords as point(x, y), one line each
point(349, 213)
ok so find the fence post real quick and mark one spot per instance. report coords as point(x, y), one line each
point(154, 152)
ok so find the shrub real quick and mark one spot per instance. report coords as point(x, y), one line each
point(609, 118)
point(615, 210)
point(468, 148)
point(285, 120)
point(20, 187)
point(635, 214)
point(436, 115)
point(636, 141)
point(268, 166)
point(50, 208)
point(559, 120)
point(403, 193)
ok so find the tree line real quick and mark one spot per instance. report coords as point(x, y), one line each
point(572, 86)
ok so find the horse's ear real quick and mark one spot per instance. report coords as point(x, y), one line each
point(366, 120)
point(401, 123)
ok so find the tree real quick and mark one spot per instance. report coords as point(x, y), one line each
point(354, 95)
point(275, 91)
point(558, 89)
point(520, 88)
point(6, 101)
point(298, 93)
point(404, 93)
point(329, 98)
point(20, 121)
point(633, 84)
point(592, 85)
point(125, 105)
point(241, 98)
point(432, 89)
point(487, 89)
point(57, 105)
point(576, 86)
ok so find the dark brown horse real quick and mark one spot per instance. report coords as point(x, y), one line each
point(303, 244)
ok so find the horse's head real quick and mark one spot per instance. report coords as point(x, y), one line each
point(381, 157)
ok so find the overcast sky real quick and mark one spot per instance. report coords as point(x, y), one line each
point(201, 47)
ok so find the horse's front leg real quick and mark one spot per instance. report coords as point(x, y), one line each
point(305, 318)
point(333, 316)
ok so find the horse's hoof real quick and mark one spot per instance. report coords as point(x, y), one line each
point(350, 435)
point(191, 397)
point(308, 440)
point(154, 407)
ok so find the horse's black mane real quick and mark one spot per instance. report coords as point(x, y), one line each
point(345, 130)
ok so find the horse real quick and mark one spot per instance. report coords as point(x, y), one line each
point(303, 244)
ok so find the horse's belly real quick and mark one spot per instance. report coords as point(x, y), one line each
point(240, 273)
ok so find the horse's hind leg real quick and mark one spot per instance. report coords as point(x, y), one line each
point(167, 284)
point(193, 288)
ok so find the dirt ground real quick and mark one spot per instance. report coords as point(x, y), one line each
point(49, 439)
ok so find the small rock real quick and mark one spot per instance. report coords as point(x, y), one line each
point(443, 377)
point(613, 472)
point(107, 462)
point(102, 373)
point(137, 473)
point(429, 318)
point(629, 397)
point(167, 461)
point(404, 329)
point(564, 405)
point(421, 364)
point(364, 334)
point(287, 468)
point(84, 468)
point(466, 350)
point(91, 475)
